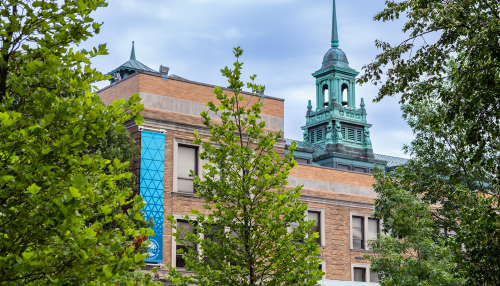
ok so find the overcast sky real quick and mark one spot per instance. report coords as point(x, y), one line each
point(284, 42)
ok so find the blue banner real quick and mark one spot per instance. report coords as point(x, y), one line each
point(152, 188)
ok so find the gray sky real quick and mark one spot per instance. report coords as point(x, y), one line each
point(284, 42)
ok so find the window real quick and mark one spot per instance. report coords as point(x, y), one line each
point(373, 230)
point(364, 229)
point(342, 167)
point(317, 135)
point(350, 134)
point(353, 134)
point(187, 160)
point(359, 170)
point(179, 257)
point(358, 232)
point(359, 274)
point(301, 160)
point(316, 216)
point(359, 135)
point(374, 277)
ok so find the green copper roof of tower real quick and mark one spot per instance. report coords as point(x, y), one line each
point(335, 57)
point(132, 66)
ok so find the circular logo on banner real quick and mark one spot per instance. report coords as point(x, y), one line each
point(154, 249)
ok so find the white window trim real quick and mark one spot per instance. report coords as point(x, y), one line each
point(359, 265)
point(187, 142)
point(365, 228)
point(174, 243)
point(323, 268)
point(321, 223)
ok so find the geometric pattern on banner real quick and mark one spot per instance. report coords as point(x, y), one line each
point(152, 188)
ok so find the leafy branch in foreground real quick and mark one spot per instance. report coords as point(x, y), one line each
point(244, 232)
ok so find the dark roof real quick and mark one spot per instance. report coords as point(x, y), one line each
point(391, 161)
point(134, 65)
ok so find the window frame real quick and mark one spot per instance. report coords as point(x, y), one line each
point(367, 271)
point(173, 258)
point(198, 162)
point(321, 212)
point(365, 217)
point(363, 234)
point(298, 157)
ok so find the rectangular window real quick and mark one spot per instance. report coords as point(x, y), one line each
point(358, 232)
point(184, 245)
point(374, 277)
point(302, 161)
point(344, 132)
point(312, 137)
point(359, 274)
point(343, 167)
point(373, 230)
point(359, 170)
point(212, 236)
point(359, 134)
point(187, 160)
point(319, 135)
point(350, 134)
point(312, 215)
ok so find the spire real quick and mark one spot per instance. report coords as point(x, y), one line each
point(132, 54)
point(335, 34)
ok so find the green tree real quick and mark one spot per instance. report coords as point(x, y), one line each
point(470, 28)
point(450, 88)
point(49, 188)
point(460, 237)
point(250, 210)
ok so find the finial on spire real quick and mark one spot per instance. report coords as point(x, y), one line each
point(132, 54)
point(335, 34)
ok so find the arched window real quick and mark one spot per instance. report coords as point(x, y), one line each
point(326, 95)
point(345, 90)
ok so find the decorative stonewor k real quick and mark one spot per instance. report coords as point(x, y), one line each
point(329, 137)
point(306, 136)
point(338, 133)
point(368, 141)
point(329, 133)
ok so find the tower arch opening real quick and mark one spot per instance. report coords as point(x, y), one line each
point(326, 95)
point(345, 91)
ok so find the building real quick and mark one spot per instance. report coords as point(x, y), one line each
point(336, 159)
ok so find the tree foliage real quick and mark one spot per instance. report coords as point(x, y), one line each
point(462, 194)
point(450, 88)
point(467, 28)
point(244, 236)
point(55, 200)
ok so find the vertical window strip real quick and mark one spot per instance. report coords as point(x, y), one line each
point(350, 134)
point(359, 136)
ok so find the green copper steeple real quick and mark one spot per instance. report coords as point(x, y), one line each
point(335, 34)
point(336, 123)
point(132, 54)
point(130, 67)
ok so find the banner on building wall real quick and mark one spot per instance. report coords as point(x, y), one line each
point(152, 188)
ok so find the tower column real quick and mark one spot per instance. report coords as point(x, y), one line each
point(330, 92)
point(317, 95)
point(354, 93)
point(351, 101)
point(339, 88)
point(321, 96)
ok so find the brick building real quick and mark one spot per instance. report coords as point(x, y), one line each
point(336, 159)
